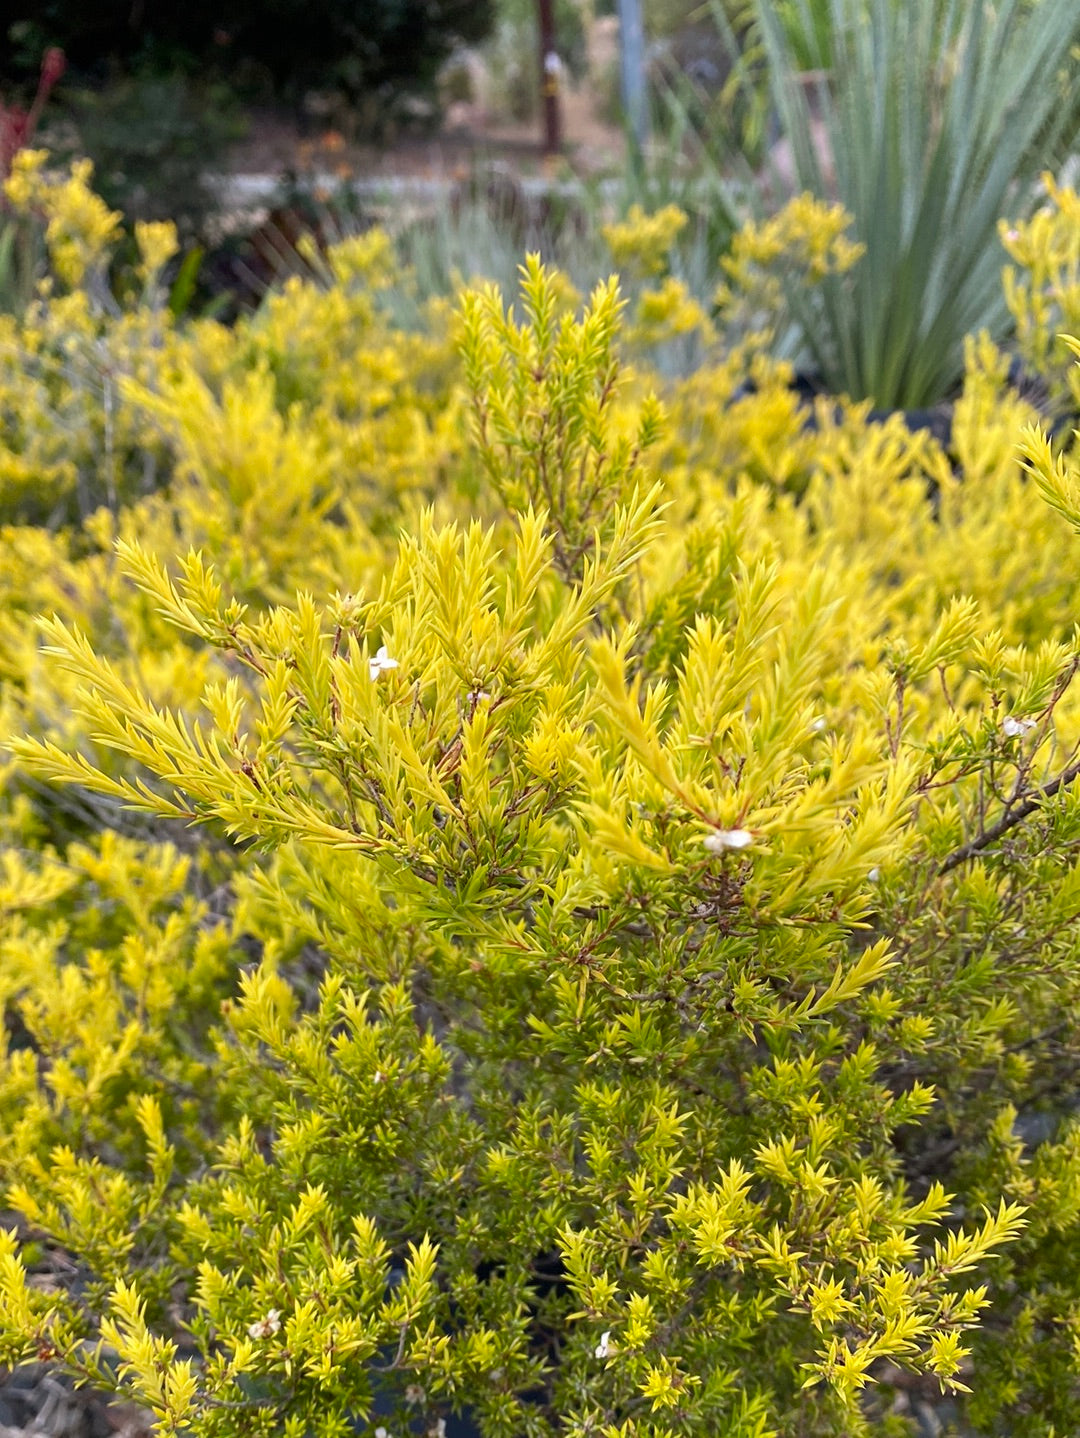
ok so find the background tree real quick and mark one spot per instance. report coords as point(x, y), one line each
point(286, 45)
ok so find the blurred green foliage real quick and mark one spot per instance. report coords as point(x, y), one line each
point(286, 45)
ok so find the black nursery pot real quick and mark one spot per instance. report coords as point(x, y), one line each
point(936, 420)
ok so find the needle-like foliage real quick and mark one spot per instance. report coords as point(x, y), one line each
point(532, 889)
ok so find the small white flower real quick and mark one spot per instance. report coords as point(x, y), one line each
point(380, 662)
point(721, 839)
point(382, 1432)
point(266, 1327)
point(874, 874)
point(437, 1429)
point(603, 1348)
point(378, 1076)
point(819, 725)
point(1014, 728)
point(414, 1394)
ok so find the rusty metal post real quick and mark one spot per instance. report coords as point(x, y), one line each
point(550, 77)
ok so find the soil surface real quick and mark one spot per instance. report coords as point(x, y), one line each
point(477, 128)
point(278, 143)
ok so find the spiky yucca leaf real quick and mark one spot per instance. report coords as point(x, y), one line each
point(936, 120)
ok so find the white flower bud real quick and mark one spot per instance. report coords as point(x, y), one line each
point(1015, 728)
point(380, 662)
point(266, 1327)
point(721, 839)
